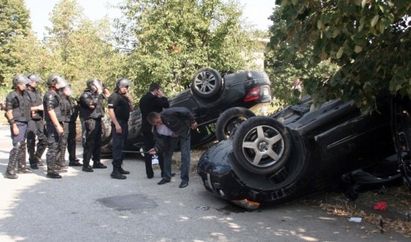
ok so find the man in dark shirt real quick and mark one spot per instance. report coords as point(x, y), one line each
point(120, 104)
point(153, 101)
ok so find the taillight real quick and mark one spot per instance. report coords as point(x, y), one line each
point(252, 95)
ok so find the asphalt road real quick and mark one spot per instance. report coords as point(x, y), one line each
point(93, 207)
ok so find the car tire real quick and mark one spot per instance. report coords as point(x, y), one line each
point(229, 121)
point(206, 83)
point(262, 145)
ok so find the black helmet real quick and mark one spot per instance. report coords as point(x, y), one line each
point(54, 79)
point(34, 78)
point(20, 79)
point(94, 85)
point(122, 82)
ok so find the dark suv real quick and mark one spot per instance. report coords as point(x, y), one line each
point(208, 96)
point(301, 150)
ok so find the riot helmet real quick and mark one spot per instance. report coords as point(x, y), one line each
point(121, 83)
point(35, 78)
point(20, 79)
point(55, 80)
point(66, 90)
point(94, 85)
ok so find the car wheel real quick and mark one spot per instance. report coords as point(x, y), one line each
point(262, 145)
point(229, 121)
point(206, 83)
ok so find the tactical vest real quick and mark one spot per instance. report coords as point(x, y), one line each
point(53, 99)
point(20, 106)
point(35, 100)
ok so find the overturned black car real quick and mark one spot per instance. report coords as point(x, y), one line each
point(209, 95)
point(298, 151)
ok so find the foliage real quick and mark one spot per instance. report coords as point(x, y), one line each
point(168, 41)
point(14, 22)
point(80, 48)
point(368, 39)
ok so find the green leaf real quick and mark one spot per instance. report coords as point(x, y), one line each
point(374, 20)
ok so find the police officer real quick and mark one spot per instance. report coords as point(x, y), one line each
point(54, 110)
point(120, 104)
point(91, 111)
point(69, 136)
point(36, 124)
point(17, 109)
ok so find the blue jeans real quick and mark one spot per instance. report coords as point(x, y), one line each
point(185, 156)
point(119, 141)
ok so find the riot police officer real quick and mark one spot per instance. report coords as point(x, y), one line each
point(17, 109)
point(91, 111)
point(69, 136)
point(120, 104)
point(54, 116)
point(36, 124)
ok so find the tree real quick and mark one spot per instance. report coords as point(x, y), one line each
point(80, 47)
point(167, 41)
point(14, 22)
point(284, 65)
point(369, 39)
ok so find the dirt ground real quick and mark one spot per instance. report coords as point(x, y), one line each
point(395, 217)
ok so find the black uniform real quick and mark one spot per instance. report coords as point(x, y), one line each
point(93, 130)
point(151, 103)
point(52, 101)
point(121, 108)
point(69, 135)
point(35, 128)
point(20, 105)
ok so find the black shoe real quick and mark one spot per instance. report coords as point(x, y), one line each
point(163, 181)
point(118, 175)
point(11, 176)
point(183, 184)
point(53, 175)
point(99, 165)
point(34, 166)
point(24, 170)
point(150, 176)
point(87, 169)
point(75, 163)
point(124, 172)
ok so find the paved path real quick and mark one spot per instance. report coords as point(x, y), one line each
point(93, 207)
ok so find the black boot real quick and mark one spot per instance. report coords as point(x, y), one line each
point(98, 165)
point(122, 171)
point(33, 164)
point(87, 169)
point(11, 167)
point(53, 174)
point(116, 174)
point(76, 162)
